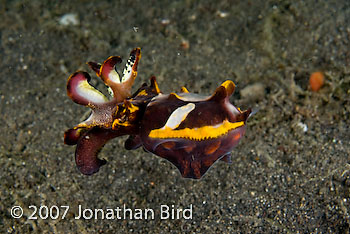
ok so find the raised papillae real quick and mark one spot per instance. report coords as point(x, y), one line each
point(191, 131)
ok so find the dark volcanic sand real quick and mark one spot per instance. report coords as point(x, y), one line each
point(284, 178)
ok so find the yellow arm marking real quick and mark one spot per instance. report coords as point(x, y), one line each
point(142, 93)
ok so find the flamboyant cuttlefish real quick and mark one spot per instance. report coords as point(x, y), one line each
point(190, 130)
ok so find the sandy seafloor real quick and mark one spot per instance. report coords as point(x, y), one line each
point(290, 172)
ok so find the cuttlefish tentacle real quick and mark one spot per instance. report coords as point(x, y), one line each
point(88, 147)
point(121, 87)
point(82, 92)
